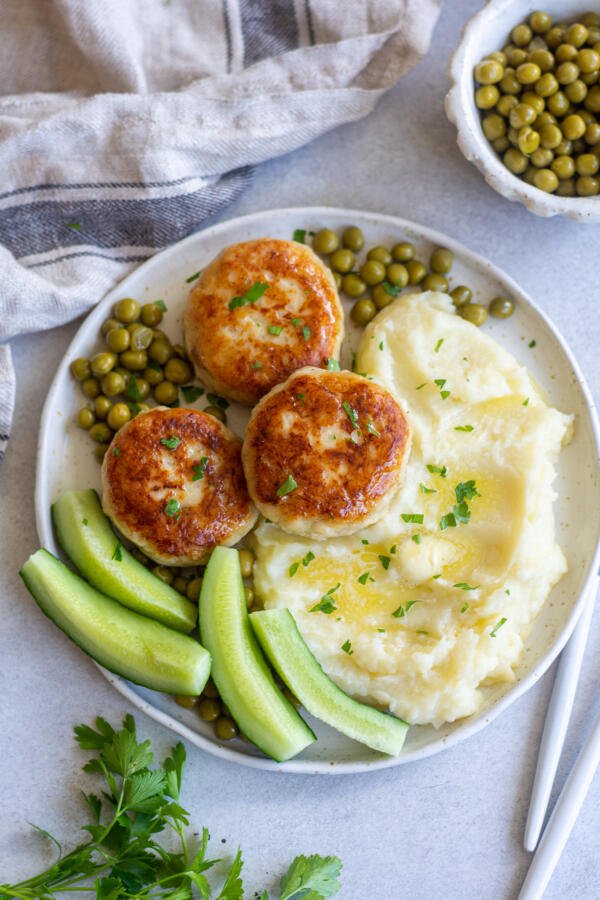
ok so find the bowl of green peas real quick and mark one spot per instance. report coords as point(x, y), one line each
point(525, 100)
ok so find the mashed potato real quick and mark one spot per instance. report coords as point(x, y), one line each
point(421, 610)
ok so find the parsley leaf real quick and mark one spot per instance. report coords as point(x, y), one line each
point(385, 561)
point(372, 430)
point(287, 487)
point(392, 290)
point(172, 508)
point(299, 235)
point(306, 332)
point(464, 428)
point(438, 345)
point(466, 587)
point(193, 277)
point(308, 558)
point(498, 626)
point(215, 400)
point(172, 443)
point(275, 329)
point(364, 578)
point(312, 878)
point(466, 490)
point(296, 322)
point(133, 391)
point(464, 607)
point(447, 521)
point(251, 296)
point(351, 413)
point(531, 344)
point(416, 538)
point(399, 613)
point(325, 605)
point(191, 392)
point(118, 554)
point(347, 648)
point(200, 469)
point(425, 490)
point(442, 471)
point(333, 365)
point(293, 569)
point(415, 518)
point(161, 305)
point(257, 365)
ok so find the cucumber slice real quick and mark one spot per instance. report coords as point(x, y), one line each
point(87, 538)
point(239, 670)
point(128, 644)
point(289, 655)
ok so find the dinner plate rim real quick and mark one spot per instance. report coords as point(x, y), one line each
point(472, 724)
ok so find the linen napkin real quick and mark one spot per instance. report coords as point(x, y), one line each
point(125, 124)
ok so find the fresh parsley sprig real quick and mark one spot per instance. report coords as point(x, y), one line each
point(123, 859)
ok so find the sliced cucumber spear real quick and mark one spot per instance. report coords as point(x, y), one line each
point(239, 670)
point(87, 538)
point(289, 655)
point(131, 645)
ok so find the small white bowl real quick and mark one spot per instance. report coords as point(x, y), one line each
point(488, 30)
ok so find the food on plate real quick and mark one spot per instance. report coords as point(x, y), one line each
point(421, 611)
point(324, 452)
point(259, 311)
point(540, 103)
point(84, 533)
point(239, 670)
point(172, 482)
point(127, 643)
point(287, 652)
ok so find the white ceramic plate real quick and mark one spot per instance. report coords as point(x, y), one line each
point(65, 461)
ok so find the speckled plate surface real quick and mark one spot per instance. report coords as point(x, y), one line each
point(65, 461)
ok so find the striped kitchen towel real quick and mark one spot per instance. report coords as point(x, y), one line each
point(125, 123)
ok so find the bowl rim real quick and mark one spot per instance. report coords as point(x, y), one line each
point(477, 721)
point(461, 111)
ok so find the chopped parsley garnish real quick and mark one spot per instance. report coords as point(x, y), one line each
point(418, 388)
point(411, 603)
point(462, 512)
point(438, 345)
point(465, 490)
point(191, 392)
point(287, 487)
point(437, 576)
point(134, 408)
point(416, 538)
point(299, 396)
point(399, 613)
point(172, 508)
point(308, 558)
point(364, 541)
point(257, 365)
point(498, 626)
point(116, 451)
point(464, 428)
point(296, 322)
point(422, 631)
point(161, 305)
point(385, 561)
point(351, 413)
point(200, 469)
point(215, 400)
point(440, 382)
point(364, 578)
point(172, 443)
point(442, 471)
point(133, 391)
point(381, 345)
point(531, 344)
point(293, 569)
point(306, 332)
point(251, 296)
point(507, 592)
point(415, 518)
point(327, 603)
point(381, 630)
point(193, 277)
point(118, 555)
point(154, 365)
point(74, 226)
point(299, 235)
point(425, 490)
point(393, 549)
point(333, 365)
point(347, 648)
point(372, 430)
point(84, 521)
point(447, 521)
point(466, 587)
point(464, 607)
point(391, 289)
point(275, 329)
point(526, 401)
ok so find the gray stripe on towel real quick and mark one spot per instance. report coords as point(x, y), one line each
point(269, 28)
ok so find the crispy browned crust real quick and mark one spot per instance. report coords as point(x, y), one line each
point(232, 350)
point(342, 485)
point(140, 475)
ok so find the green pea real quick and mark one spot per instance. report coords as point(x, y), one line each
point(337, 279)
point(209, 710)
point(573, 127)
point(90, 387)
point(397, 274)
point(118, 416)
point(493, 126)
point(542, 58)
point(510, 84)
point(522, 115)
point(353, 286)
point(529, 140)
point(126, 310)
point(501, 144)
point(112, 384)
point(102, 363)
point(153, 375)
point(541, 158)
point(501, 308)
point(193, 589)
point(555, 36)
point(85, 418)
point(100, 452)
point(80, 369)
point(461, 294)
point(588, 60)
point(164, 573)
point(538, 103)
point(489, 71)
point(558, 104)
point(435, 282)
point(142, 387)
point(246, 558)
point(249, 593)
point(403, 252)
point(118, 340)
point(372, 271)
point(166, 393)
point(342, 260)
point(102, 406)
point(566, 188)
point(592, 134)
point(487, 96)
point(216, 412)
point(516, 56)
point(109, 324)
point(563, 167)
point(225, 729)
point(416, 271)
point(577, 91)
point(505, 104)
point(545, 180)
point(185, 702)
point(499, 56)
point(515, 161)
point(126, 375)
point(441, 260)
point(101, 433)
point(565, 148)
point(528, 73)
point(587, 186)
point(353, 239)
point(363, 311)
point(547, 85)
point(180, 351)
point(141, 336)
point(540, 22)
point(592, 101)
point(151, 314)
point(474, 313)
point(134, 360)
point(587, 164)
point(178, 371)
point(325, 241)
point(576, 34)
point(381, 254)
point(381, 297)
point(550, 137)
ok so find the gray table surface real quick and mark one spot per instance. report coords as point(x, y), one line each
point(448, 827)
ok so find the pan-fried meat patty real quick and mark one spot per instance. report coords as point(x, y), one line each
point(172, 482)
point(258, 312)
point(324, 453)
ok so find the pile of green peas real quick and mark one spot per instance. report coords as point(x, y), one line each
point(139, 363)
point(540, 99)
point(386, 272)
